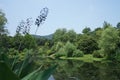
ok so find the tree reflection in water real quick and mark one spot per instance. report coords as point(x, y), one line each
point(78, 70)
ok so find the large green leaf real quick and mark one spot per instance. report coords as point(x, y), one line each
point(24, 67)
point(3, 57)
point(38, 75)
point(25, 63)
point(6, 73)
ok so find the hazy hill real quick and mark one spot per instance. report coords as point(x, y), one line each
point(46, 36)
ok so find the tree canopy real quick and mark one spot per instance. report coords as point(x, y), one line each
point(3, 21)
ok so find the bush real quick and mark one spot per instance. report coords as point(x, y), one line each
point(60, 53)
point(69, 48)
point(78, 53)
point(55, 48)
point(97, 54)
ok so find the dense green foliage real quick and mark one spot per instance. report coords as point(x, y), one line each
point(87, 44)
point(101, 42)
point(18, 53)
point(108, 42)
point(35, 75)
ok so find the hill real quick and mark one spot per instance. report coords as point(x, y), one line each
point(46, 36)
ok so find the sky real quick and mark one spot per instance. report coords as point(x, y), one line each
point(69, 14)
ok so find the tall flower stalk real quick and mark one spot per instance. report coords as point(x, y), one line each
point(41, 18)
point(24, 28)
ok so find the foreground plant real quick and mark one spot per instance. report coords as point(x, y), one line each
point(6, 72)
point(14, 69)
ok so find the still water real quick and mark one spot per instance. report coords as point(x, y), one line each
point(79, 70)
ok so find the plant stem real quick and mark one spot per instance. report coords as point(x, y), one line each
point(36, 30)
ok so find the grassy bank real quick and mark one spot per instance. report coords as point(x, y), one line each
point(85, 58)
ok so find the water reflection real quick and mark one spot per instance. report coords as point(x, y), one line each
point(78, 70)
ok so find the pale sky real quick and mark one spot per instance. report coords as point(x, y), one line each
point(69, 14)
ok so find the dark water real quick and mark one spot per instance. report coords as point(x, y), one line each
point(79, 70)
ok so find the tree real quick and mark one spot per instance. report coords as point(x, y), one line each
point(78, 53)
point(71, 36)
point(118, 25)
point(69, 48)
point(97, 33)
point(87, 44)
point(106, 25)
point(55, 48)
point(4, 43)
point(108, 42)
point(86, 30)
point(60, 52)
point(3, 21)
point(41, 41)
point(59, 35)
point(63, 35)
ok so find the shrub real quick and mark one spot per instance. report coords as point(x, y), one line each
point(87, 44)
point(60, 53)
point(57, 46)
point(69, 48)
point(97, 54)
point(78, 53)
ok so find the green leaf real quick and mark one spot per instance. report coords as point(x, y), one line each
point(40, 75)
point(24, 64)
point(3, 57)
point(6, 73)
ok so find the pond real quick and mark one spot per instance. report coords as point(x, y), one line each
point(79, 70)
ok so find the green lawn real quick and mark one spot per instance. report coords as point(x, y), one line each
point(85, 58)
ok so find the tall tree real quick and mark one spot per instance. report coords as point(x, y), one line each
point(3, 21)
point(69, 48)
point(87, 44)
point(71, 36)
point(108, 42)
point(59, 35)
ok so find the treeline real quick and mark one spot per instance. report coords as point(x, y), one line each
point(102, 42)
